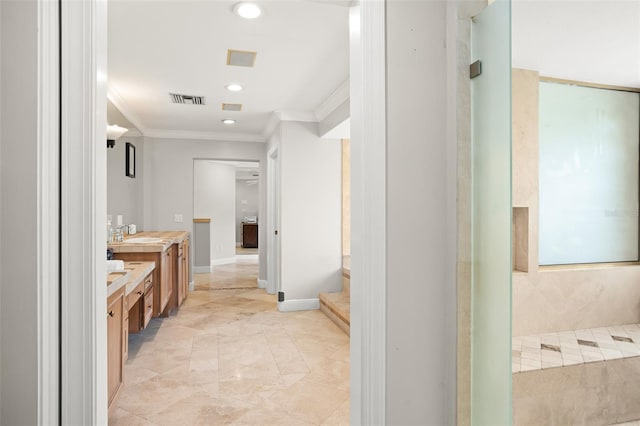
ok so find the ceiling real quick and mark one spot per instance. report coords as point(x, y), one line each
point(161, 47)
point(592, 41)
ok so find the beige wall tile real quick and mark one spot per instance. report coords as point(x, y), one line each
point(567, 299)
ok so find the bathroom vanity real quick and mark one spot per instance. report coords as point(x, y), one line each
point(169, 250)
point(126, 307)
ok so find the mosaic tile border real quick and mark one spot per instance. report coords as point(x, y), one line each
point(552, 350)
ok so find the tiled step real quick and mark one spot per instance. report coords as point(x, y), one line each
point(336, 306)
point(544, 351)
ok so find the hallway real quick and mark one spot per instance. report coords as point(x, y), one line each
point(229, 357)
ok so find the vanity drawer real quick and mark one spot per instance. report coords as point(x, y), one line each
point(147, 308)
point(148, 282)
point(135, 295)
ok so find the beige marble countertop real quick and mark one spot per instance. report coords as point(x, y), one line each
point(167, 239)
point(134, 273)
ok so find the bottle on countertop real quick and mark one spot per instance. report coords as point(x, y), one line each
point(109, 232)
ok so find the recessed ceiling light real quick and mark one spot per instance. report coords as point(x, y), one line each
point(228, 121)
point(234, 87)
point(247, 10)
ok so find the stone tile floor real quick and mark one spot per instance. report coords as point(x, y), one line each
point(229, 357)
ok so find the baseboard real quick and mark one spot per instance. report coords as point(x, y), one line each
point(224, 261)
point(247, 257)
point(201, 269)
point(238, 244)
point(192, 285)
point(299, 305)
point(262, 283)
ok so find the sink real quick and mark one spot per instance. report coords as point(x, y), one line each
point(143, 240)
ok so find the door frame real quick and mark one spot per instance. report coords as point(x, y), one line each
point(48, 213)
point(273, 219)
point(83, 118)
point(83, 377)
point(367, 28)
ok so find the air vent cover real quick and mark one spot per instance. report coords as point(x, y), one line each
point(232, 107)
point(187, 99)
point(241, 58)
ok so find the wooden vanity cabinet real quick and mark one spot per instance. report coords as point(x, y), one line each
point(168, 280)
point(138, 309)
point(147, 311)
point(115, 345)
point(181, 274)
point(162, 275)
point(183, 271)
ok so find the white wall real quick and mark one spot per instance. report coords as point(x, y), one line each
point(123, 192)
point(420, 316)
point(1, 138)
point(310, 167)
point(18, 232)
point(214, 197)
point(168, 180)
point(250, 194)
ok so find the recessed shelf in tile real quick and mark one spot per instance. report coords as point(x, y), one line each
point(520, 240)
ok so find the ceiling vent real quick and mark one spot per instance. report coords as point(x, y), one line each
point(232, 107)
point(187, 99)
point(241, 58)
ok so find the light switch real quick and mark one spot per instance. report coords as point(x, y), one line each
point(178, 218)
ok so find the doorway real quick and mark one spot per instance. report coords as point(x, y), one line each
point(273, 200)
point(91, 350)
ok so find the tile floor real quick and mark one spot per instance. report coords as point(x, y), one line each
point(574, 347)
point(240, 275)
point(229, 357)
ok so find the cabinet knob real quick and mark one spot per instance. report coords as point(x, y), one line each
point(139, 292)
point(111, 314)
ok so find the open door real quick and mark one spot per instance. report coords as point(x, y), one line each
point(491, 216)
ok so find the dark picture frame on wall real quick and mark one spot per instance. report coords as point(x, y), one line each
point(130, 169)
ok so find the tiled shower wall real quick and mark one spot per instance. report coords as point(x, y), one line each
point(552, 300)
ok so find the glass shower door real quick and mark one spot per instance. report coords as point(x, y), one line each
point(491, 217)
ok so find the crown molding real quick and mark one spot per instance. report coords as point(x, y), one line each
point(278, 116)
point(210, 136)
point(303, 116)
point(273, 122)
point(334, 100)
point(121, 104)
point(133, 133)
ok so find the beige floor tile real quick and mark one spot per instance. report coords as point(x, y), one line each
point(122, 417)
point(340, 417)
point(229, 357)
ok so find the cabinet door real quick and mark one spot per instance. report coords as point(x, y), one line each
point(180, 274)
point(185, 270)
point(250, 235)
point(114, 347)
point(166, 279)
